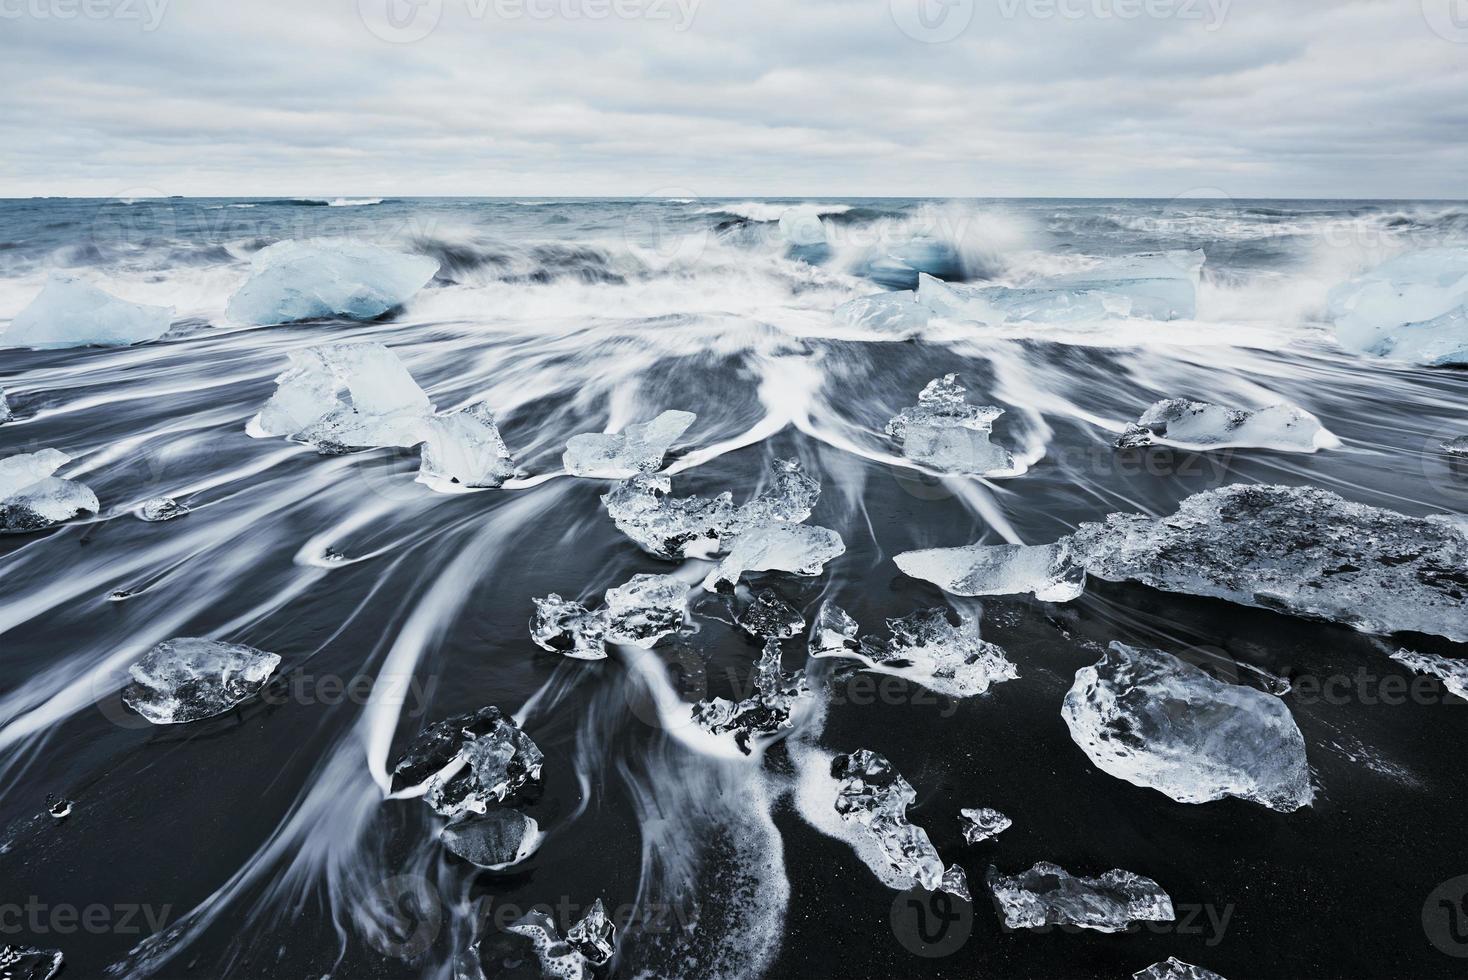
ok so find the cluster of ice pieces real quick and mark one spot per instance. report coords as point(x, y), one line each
point(873, 794)
point(28, 963)
point(982, 824)
point(343, 398)
point(641, 612)
point(308, 280)
point(32, 499)
point(1453, 673)
point(924, 648)
point(1173, 968)
point(589, 943)
point(189, 679)
point(71, 312)
point(768, 711)
point(1045, 570)
point(637, 449)
point(1048, 895)
point(1154, 720)
point(947, 433)
point(1201, 425)
point(467, 762)
point(1412, 308)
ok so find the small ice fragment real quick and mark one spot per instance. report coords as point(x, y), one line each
point(294, 280)
point(1409, 308)
point(873, 794)
point(898, 314)
point(71, 312)
point(1003, 569)
point(120, 595)
point(637, 449)
point(982, 824)
point(1173, 968)
point(1200, 425)
point(769, 616)
point(161, 509)
point(834, 633)
point(467, 761)
point(955, 882)
point(5, 414)
point(32, 499)
point(563, 626)
point(28, 963)
point(500, 839)
point(927, 649)
point(344, 397)
point(58, 806)
point(559, 960)
point(798, 548)
point(1454, 673)
point(646, 609)
point(331, 556)
point(1154, 720)
point(1453, 447)
point(464, 448)
point(768, 710)
point(944, 431)
point(644, 509)
point(1048, 895)
point(594, 937)
point(190, 679)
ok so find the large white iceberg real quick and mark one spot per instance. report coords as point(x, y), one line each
point(1412, 308)
point(639, 448)
point(1154, 720)
point(294, 280)
point(32, 499)
point(1201, 425)
point(71, 312)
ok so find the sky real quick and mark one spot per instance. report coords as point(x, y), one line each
point(708, 98)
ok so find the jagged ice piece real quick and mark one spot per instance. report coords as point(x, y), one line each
point(1048, 895)
point(1047, 571)
point(637, 449)
point(189, 679)
point(1200, 425)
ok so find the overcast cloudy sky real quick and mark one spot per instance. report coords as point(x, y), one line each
point(1155, 98)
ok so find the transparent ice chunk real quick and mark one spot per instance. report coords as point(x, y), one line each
point(801, 549)
point(926, 649)
point(1047, 571)
point(1173, 968)
point(468, 762)
point(71, 312)
point(769, 616)
point(29, 963)
point(464, 448)
point(189, 679)
point(1048, 895)
point(1453, 673)
point(160, 509)
point(769, 709)
point(637, 449)
point(298, 280)
point(563, 626)
point(1457, 446)
point(982, 824)
point(1409, 308)
point(944, 431)
point(32, 499)
point(955, 882)
point(1200, 425)
point(834, 632)
point(898, 314)
point(873, 794)
point(646, 609)
point(500, 839)
point(5, 413)
point(594, 937)
point(1154, 720)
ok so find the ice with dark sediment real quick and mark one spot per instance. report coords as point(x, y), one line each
point(58, 806)
point(768, 711)
point(639, 448)
point(190, 679)
point(463, 448)
point(640, 612)
point(559, 960)
point(1047, 571)
point(1156, 721)
point(801, 549)
point(345, 397)
point(947, 433)
point(1048, 895)
point(567, 627)
point(769, 616)
point(71, 312)
point(1300, 550)
point(595, 936)
point(467, 762)
point(159, 509)
point(924, 648)
point(1201, 425)
point(29, 963)
point(308, 280)
point(1173, 968)
point(32, 499)
point(898, 314)
point(1453, 673)
point(982, 823)
point(1413, 308)
point(500, 839)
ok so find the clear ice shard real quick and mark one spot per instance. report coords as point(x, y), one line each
point(1457, 446)
point(1048, 895)
point(5, 413)
point(29, 963)
point(768, 710)
point(569, 628)
point(1453, 673)
point(924, 648)
point(944, 431)
point(801, 549)
point(32, 499)
point(770, 617)
point(71, 312)
point(873, 794)
point(464, 448)
point(308, 280)
point(1300, 550)
point(594, 937)
point(468, 762)
point(1173, 968)
point(982, 824)
point(646, 609)
point(189, 679)
point(500, 839)
point(559, 960)
point(834, 632)
point(160, 509)
point(898, 314)
point(343, 397)
point(1201, 425)
point(1156, 721)
point(1045, 570)
point(1412, 308)
point(636, 449)
point(955, 882)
